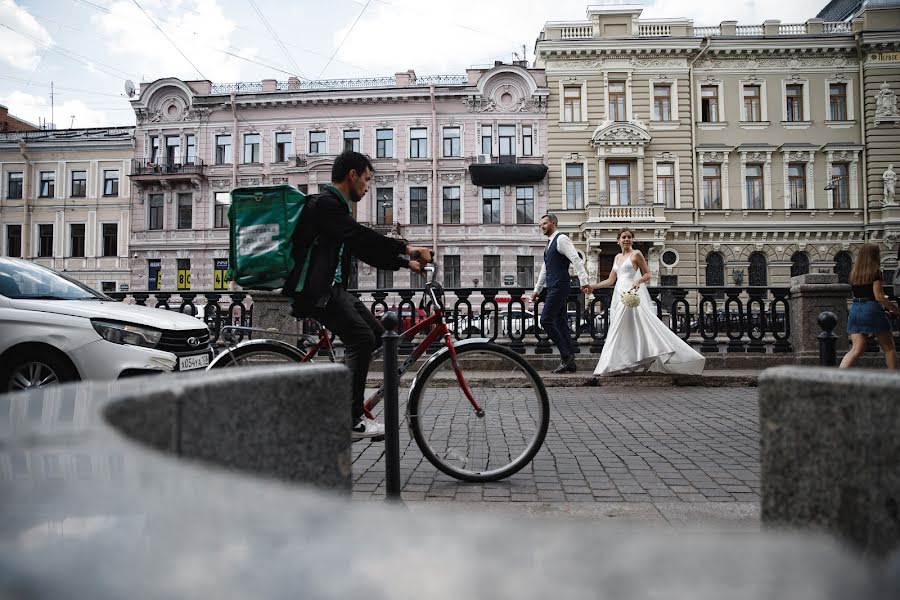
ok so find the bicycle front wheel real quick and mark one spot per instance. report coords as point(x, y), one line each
point(458, 440)
point(256, 353)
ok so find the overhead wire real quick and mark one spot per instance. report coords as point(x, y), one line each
point(190, 62)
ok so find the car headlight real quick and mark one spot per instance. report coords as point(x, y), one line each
point(125, 333)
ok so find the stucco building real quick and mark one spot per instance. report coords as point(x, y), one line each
point(65, 201)
point(717, 144)
point(458, 166)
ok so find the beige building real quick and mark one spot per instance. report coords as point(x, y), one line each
point(740, 154)
point(65, 202)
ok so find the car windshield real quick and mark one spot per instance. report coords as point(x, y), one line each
point(22, 280)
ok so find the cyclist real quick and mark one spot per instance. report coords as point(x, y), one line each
point(328, 226)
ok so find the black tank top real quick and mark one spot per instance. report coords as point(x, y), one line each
point(866, 291)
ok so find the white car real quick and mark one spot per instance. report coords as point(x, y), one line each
point(55, 329)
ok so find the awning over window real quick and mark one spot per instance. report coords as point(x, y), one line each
point(507, 174)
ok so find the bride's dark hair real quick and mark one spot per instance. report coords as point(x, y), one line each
point(623, 230)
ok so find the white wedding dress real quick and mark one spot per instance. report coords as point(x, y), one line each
point(637, 340)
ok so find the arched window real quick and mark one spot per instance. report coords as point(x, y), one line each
point(799, 264)
point(843, 263)
point(715, 269)
point(758, 275)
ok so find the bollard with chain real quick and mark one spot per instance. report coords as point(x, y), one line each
point(827, 339)
point(391, 407)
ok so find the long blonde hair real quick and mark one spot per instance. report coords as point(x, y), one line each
point(867, 266)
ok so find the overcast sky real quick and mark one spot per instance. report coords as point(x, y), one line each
point(88, 48)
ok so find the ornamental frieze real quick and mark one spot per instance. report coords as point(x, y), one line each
point(417, 177)
point(383, 179)
point(218, 184)
point(451, 177)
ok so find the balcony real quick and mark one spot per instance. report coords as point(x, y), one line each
point(146, 170)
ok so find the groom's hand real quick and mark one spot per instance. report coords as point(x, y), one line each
point(586, 289)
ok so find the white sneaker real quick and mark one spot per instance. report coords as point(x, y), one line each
point(367, 428)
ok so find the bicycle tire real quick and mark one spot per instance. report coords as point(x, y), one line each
point(256, 353)
point(459, 442)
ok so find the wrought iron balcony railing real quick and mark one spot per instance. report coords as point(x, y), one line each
point(161, 167)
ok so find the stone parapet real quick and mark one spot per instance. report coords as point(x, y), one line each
point(812, 294)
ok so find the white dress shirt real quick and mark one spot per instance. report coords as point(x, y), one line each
point(566, 247)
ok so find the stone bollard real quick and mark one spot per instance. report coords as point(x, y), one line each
point(811, 295)
point(271, 310)
point(827, 339)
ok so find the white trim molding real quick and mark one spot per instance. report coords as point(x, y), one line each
point(672, 159)
point(806, 122)
point(756, 157)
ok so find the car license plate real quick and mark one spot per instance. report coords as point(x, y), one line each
point(197, 361)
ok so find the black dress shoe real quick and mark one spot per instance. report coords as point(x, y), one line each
point(560, 368)
point(569, 366)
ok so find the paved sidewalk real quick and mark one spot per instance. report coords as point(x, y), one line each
point(673, 456)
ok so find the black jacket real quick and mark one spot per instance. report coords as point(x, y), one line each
point(325, 224)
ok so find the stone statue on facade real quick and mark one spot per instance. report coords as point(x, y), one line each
point(890, 180)
point(886, 102)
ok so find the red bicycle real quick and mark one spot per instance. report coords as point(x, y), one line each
point(479, 427)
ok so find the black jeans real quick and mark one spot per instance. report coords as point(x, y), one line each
point(553, 320)
point(360, 331)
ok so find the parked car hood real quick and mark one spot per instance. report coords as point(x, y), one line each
point(114, 311)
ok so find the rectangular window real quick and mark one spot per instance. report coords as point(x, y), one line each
point(351, 140)
point(191, 143)
point(572, 103)
point(709, 103)
point(111, 182)
point(491, 271)
point(183, 266)
point(76, 240)
point(384, 206)
point(527, 140)
point(451, 270)
point(712, 187)
point(14, 240)
point(416, 281)
point(284, 146)
point(48, 184)
point(837, 101)
point(79, 184)
point(384, 279)
point(45, 240)
point(452, 212)
point(662, 102)
point(525, 271)
point(384, 143)
point(223, 149)
point(251, 147)
point(173, 150)
point(154, 274)
point(220, 273)
point(840, 181)
point(665, 184)
point(185, 211)
point(155, 211)
point(754, 184)
point(452, 142)
point(107, 286)
point(507, 139)
point(619, 184)
point(110, 233)
point(304, 188)
point(490, 205)
point(524, 205)
point(418, 142)
point(796, 185)
point(317, 142)
point(752, 103)
point(154, 148)
point(794, 102)
point(14, 186)
point(222, 202)
point(574, 186)
point(487, 139)
point(617, 107)
point(418, 205)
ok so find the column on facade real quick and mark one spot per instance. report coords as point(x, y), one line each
point(640, 178)
point(602, 196)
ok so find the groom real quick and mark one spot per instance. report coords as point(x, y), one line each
point(558, 255)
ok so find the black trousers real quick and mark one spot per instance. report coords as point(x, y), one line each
point(554, 322)
point(360, 332)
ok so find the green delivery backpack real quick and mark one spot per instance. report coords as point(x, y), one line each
point(261, 221)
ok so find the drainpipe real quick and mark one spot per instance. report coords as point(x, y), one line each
point(27, 186)
point(234, 142)
point(695, 170)
point(434, 174)
point(862, 130)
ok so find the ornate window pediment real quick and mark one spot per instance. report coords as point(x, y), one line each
point(618, 133)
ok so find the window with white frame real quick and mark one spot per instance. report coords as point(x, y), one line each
point(110, 238)
point(793, 102)
point(619, 184)
point(452, 147)
point(251, 147)
point(796, 185)
point(45, 240)
point(317, 142)
point(173, 149)
point(490, 205)
point(753, 182)
point(712, 187)
point(48, 184)
point(14, 241)
point(384, 206)
point(384, 143)
point(616, 100)
point(221, 204)
point(284, 146)
point(351, 140)
point(662, 102)
point(840, 185)
point(572, 103)
point(111, 182)
point(524, 204)
point(190, 141)
point(79, 184)
point(487, 139)
point(709, 104)
point(837, 102)
point(418, 142)
point(223, 149)
point(574, 186)
point(14, 180)
point(452, 209)
point(527, 140)
point(752, 102)
point(76, 240)
point(525, 271)
point(665, 184)
point(451, 268)
point(491, 271)
point(506, 139)
point(185, 214)
point(154, 148)
point(155, 211)
point(418, 205)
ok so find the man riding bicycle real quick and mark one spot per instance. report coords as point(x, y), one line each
point(327, 225)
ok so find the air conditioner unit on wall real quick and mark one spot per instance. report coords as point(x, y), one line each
point(483, 159)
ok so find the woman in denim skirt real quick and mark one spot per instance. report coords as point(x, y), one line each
point(867, 316)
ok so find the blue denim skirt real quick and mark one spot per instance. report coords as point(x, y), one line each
point(867, 316)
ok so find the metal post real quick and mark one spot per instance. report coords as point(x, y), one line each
point(391, 407)
point(827, 339)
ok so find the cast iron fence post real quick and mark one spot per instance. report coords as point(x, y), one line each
point(391, 407)
point(827, 339)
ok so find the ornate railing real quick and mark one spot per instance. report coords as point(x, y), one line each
point(654, 30)
point(239, 88)
point(792, 29)
point(838, 27)
point(618, 213)
point(328, 84)
point(749, 30)
point(441, 80)
point(576, 31)
point(145, 166)
point(707, 31)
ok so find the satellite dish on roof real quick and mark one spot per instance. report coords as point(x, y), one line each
point(129, 88)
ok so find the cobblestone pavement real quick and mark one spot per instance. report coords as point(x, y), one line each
point(608, 445)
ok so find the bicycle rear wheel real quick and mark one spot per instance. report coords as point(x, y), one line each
point(257, 353)
point(450, 433)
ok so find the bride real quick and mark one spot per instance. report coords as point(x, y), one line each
point(637, 340)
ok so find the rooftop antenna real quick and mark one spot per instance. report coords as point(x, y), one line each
point(72, 123)
point(52, 119)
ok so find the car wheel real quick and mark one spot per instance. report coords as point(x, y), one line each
point(35, 369)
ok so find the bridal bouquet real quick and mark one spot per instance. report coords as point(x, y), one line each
point(631, 298)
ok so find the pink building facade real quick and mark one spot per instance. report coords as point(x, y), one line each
point(459, 165)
